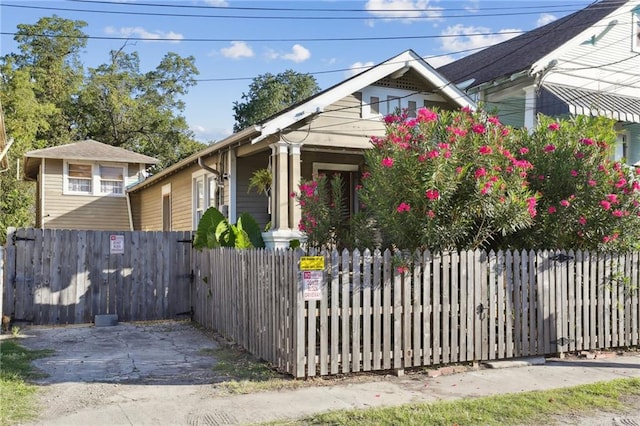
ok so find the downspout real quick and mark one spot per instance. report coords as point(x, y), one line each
point(129, 211)
point(207, 168)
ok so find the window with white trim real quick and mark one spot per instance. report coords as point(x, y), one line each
point(380, 101)
point(205, 194)
point(95, 179)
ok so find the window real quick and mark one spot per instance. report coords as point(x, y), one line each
point(393, 104)
point(111, 180)
point(205, 193)
point(411, 109)
point(79, 178)
point(378, 101)
point(166, 207)
point(375, 105)
point(621, 147)
point(94, 179)
point(635, 36)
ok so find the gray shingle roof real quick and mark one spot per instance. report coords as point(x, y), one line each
point(93, 151)
point(519, 53)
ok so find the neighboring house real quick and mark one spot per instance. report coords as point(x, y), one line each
point(587, 63)
point(82, 185)
point(326, 133)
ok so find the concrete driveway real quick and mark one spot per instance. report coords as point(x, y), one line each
point(166, 353)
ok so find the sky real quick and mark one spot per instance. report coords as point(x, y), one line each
point(234, 41)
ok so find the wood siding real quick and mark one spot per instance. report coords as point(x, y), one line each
point(79, 211)
point(257, 205)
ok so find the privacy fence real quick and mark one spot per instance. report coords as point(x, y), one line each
point(69, 276)
point(359, 312)
point(444, 308)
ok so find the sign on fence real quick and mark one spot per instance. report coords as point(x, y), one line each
point(312, 284)
point(117, 244)
point(312, 263)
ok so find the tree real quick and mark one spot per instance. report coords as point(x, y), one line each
point(124, 107)
point(269, 94)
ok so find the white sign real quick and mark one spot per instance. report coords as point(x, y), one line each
point(117, 244)
point(312, 281)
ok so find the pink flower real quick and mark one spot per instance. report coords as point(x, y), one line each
point(551, 210)
point(432, 194)
point(431, 214)
point(358, 187)
point(366, 175)
point(564, 203)
point(524, 150)
point(582, 221)
point(549, 148)
point(485, 150)
point(402, 269)
point(390, 119)
point(403, 207)
point(433, 153)
point(586, 141)
point(605, 204)
point(579, 155)
point(574, 173)
point(443, 145)
point(617, 213)
point(494, 120)
point(505, 132)
point(387, 162)
point(553, 126)
point(480, 172)
point(592, 182)
point(479, 129)
point(621, 182)
point(612, 198)
point(292, 195)
point(458, 170)
point(466, 109)
point(457, 131)
point(426, 115)
point(447, 154)
point(532, 206)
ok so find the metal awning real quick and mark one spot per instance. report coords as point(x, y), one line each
point(594, 103)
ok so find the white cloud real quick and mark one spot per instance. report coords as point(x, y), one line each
point(473, 6)
point(405, 10)
point(237, 50)
point(298, 54)
point(358, 67)
point(545, 18)
point(219, 3)
point(466, 41)
point(140, 32)
point(207, 134)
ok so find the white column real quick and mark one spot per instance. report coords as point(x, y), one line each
point(294, 179)
point(280, 218)
point(530, 108)
point(233, 186)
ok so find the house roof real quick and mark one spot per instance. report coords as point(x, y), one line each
point(87, 150)
point(399, 64)
point(520, 53)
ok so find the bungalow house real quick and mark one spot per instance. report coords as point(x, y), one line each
point(82, 185)
point(586, 63)
point(326, 133)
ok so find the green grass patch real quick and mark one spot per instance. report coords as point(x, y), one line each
point(16, 394)
point(539, 407)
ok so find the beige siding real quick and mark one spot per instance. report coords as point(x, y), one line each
point(257, 205)
point(308, 158)
point(79, 211)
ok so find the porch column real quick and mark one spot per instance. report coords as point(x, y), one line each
point(530, 108)
point(281, 179)
point(294, 179)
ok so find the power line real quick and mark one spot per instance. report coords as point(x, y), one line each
point(546, 7)
point(315, 18)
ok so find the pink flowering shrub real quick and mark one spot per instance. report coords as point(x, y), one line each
point(587, 201)
point(453, 183)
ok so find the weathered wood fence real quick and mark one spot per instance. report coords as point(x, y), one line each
point(445, 308)
point(69, 276)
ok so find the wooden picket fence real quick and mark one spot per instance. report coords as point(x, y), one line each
point(445, 308)
point(69, 276)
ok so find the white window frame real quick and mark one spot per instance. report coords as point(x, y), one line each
point(385, 95)
point(210, 184)
point(622, 146)
point(96, 179)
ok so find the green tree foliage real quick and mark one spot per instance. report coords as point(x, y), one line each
point(269, 94)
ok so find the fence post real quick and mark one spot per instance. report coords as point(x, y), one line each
point(1, 278)
point(298, 319)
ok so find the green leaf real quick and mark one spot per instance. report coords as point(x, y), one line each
point(206, 236)
point(226, 234)
point(249, 225)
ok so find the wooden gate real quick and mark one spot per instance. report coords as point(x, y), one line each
point(56, 276)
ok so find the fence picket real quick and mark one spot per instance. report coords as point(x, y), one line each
point(366, 310)
point(356, 304)
point(376, 353)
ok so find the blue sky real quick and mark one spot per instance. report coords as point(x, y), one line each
point(234, 41)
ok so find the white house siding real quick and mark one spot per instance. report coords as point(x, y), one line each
point(79, 211)
point(633, 149)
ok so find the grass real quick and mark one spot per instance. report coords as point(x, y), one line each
point(16, 394)
point(528, 408)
